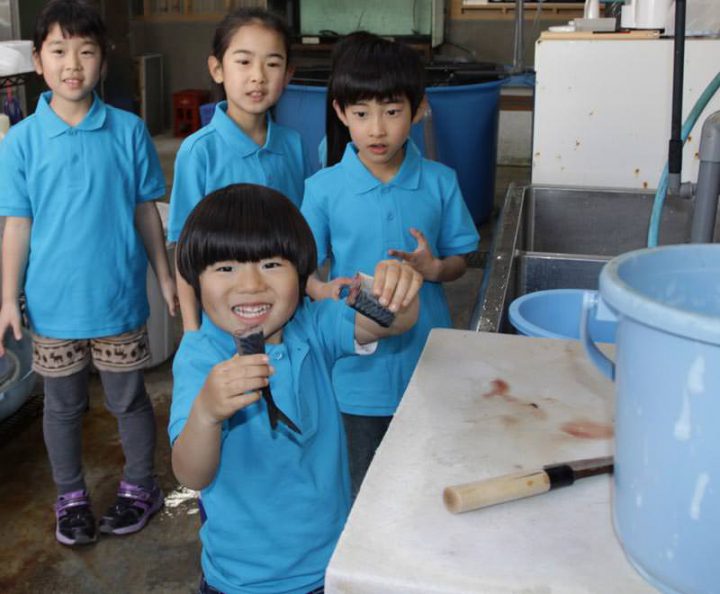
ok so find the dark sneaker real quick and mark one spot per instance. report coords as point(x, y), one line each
point(75, 523)
point(132, 509)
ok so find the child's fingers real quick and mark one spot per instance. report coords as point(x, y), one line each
point(420, 237)
point(400, 254)
point(338, 283)
point(387, 275)
point(416, 283)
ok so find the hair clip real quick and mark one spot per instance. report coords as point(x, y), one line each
point(252, 342)
point(359, 296)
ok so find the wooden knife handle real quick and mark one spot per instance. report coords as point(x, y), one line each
point(469, 496)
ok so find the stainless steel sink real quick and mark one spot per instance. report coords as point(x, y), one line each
point(553, 237)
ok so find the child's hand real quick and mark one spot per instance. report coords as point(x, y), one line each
point(10, 318)
point(170, 294)
point(231, 386)
point(396, 284)
point(422, 258)
point(319, 290)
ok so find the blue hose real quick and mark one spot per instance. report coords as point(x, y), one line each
point(689, 124)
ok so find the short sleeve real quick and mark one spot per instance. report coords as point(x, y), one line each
point(315, 210)
point(14, 197)
point(458, 234)
point(150, 177)
point(188, 189)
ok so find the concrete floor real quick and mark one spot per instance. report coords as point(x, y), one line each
point(164, 557)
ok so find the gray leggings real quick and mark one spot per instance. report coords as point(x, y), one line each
point(66, 400)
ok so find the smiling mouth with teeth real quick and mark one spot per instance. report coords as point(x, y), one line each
point(251, 311)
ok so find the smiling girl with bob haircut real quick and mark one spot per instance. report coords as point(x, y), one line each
point(275, 499)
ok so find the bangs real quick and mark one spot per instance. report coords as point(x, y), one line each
point(75, 19)
point(246, 223)
point(378, 69)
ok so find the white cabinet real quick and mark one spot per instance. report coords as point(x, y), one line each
point(603, 109)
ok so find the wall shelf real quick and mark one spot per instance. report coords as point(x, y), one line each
point(164, 11)
point(14, 80)
point(506, 10)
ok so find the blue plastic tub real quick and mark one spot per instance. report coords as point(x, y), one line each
point(18, 377)
point(666, 505)
point(555, 313)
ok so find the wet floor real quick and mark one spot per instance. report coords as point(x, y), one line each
point(163, 558)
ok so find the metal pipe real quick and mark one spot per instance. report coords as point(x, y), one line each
point(708, 186)
point(676, 145)
point(518, 62)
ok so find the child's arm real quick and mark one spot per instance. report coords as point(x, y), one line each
point(189, 306)
point(230, 386)
point(396, 284)
point(15, 250)
point(149, 225)
point(438, 270)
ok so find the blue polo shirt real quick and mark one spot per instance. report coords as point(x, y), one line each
point(278, 502)
point(356, 219)
point(221, 154)
point(80, 185)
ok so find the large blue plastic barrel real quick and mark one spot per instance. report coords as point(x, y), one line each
point(555, 313)
point(465, 125)
point(667, 443)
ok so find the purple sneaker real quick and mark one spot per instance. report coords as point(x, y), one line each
point(132, 509)
point(75, 523)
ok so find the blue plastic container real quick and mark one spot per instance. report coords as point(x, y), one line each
point(465, 125)
point(555, 313)
point(302, 107)
point(206, 113)
point(667, 442)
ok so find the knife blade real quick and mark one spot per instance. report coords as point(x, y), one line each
point(526, 483)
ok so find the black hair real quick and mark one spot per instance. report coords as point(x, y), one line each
point(76, 18)
point(366, 66)
point(246, 223)
point(241, 17)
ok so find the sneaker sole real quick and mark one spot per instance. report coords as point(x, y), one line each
point(80, 541)
point(135, 527)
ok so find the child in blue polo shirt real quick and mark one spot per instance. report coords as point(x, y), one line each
point(381, 198)
point(78, 183)
point(275, 499)
point(250, 62)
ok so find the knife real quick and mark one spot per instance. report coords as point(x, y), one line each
point(478, 494)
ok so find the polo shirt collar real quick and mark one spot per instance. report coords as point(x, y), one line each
point(408, 176)
point(236, 137)
point(54, 126)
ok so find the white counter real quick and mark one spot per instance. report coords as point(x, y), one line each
point(456, 424)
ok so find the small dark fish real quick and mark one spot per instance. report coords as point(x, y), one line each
point(359, 296)
point(252, 342)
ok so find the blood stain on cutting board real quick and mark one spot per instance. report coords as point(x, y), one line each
point(584, 429)
point(501, 389)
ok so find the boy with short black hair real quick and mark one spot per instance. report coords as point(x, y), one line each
point(79, 178)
